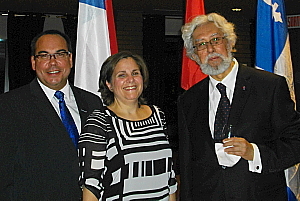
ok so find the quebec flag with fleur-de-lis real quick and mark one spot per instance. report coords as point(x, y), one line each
point(273, 55)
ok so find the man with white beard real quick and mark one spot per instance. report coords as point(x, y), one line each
point(238, 130)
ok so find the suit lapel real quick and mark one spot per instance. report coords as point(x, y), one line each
point(81, 104)
point(198, 114)
point(204, 106)
point(199, 126)
point(241, 92)
point(46, 109)
point(205, 112)
point(198, 106)
point(43, 104)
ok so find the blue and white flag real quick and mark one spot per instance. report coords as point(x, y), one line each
point(272, 40)
point(96, 40)
point(273, 55)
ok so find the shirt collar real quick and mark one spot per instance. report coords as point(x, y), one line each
point(50, 92)
point(229, 80)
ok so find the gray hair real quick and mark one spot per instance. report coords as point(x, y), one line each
point(187, 31)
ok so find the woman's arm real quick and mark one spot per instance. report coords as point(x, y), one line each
point(172, 197)
point(93, 139)
point(87, 195)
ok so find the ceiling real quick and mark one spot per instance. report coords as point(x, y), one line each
point(162, 6)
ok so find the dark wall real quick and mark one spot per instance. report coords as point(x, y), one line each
point(40, 6)
point(71, 6)
point(129, 16)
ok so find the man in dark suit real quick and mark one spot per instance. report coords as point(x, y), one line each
point(249, 162)
point(38, 158)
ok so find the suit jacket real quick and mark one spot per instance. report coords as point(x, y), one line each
point(263, 113)
point(38, 159)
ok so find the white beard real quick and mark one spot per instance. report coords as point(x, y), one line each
point(209, 70)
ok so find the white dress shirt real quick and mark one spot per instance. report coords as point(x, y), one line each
point(214, 97)
point(69, 99)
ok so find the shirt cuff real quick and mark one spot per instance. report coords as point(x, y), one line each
point(255, 165)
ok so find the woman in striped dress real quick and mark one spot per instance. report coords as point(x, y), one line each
point(123, 149)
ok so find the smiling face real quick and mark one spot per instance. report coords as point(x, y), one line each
point(127, 81)
point(215, 59)
point(54, 72)
point(205, 33)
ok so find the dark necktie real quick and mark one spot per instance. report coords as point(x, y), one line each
point(222, 114)
point(67, 118)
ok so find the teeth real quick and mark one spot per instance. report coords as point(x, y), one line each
point(130, 87)
point(53, 72)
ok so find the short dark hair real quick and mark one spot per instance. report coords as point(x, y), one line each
point(107, 70)
point(50, 32)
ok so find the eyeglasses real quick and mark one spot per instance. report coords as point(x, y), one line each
point(58, 55)
point(214, 41)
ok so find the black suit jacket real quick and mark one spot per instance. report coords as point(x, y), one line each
point(263, 113)
point(38, 159)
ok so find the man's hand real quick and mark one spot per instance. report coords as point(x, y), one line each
point(239, 147)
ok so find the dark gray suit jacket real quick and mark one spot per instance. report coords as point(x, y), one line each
point(38, 159)
point(262, 112)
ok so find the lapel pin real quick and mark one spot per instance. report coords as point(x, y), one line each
point(244, 88)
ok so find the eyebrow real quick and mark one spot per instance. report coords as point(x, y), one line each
point(212, 35)
point(61, 50)
point(124, 71)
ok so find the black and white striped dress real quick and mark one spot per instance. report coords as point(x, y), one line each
point(126, 160)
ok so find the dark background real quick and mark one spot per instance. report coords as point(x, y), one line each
point(140, 26)
point(71, 6)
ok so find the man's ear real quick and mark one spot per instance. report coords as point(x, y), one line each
point(71, 60)
point(32, 62)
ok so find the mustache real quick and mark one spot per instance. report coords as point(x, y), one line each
point(209, 70)
point(214, 54)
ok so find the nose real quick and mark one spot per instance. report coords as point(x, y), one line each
point(52, 59)
point(130, 78)
point(210, 48)
point(52, 55)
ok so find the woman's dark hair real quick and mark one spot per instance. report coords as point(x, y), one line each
point(50, 32)
point(107, 70)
